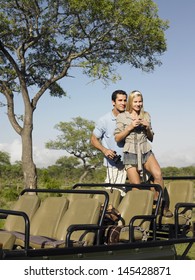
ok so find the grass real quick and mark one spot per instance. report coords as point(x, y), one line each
point(180, 249)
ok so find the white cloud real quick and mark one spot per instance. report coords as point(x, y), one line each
point(14, 149)
point(45, 157)
point(179, 158)
point(42, 157)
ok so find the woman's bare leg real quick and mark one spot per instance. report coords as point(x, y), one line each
point(133, 176)
point(153, 167)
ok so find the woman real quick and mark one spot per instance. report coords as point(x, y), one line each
point(134, 126)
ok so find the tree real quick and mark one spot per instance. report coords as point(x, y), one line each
point(4, 161)
point(10, 174)
point(42, 40)
point(66, 166)
point(67, 163)
point(75, 139)
point(4, 158)
point(69, 167)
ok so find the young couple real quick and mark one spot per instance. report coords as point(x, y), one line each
point(125, 131)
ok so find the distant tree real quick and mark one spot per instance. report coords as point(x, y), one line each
point(42, 40)
point(188, 170)
point(16, 171)
point(10, 174)
point(4, 158)
point(67, 162)
point(75, 139)
point(67, 165)
point(4, 162)
point(171, 171)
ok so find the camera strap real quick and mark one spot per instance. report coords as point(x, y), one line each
point(112, 178)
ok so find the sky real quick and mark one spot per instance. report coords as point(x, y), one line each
point(168, 92)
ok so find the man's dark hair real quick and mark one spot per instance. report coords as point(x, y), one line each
point(119, 91)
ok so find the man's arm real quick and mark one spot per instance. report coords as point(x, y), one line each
point(97, 144)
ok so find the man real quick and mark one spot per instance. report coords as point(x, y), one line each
point(103, 139)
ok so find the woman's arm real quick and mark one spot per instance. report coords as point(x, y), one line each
point(119, 136)
point(149, 132)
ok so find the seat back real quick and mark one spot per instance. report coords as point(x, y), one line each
point(26, 203)
point(48, 215)
point(114, 197)
point(7, 240)
point(180, 191)
point(74, 196)
point(81, 211)
point(136, 202)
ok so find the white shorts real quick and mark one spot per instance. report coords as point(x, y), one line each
point(115, 175)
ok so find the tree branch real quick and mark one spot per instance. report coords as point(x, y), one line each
point(10, 107)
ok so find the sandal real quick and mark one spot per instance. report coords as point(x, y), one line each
point(167, 213)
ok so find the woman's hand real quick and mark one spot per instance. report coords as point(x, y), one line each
point(149, 132)
point(135, 123)
point(145, 123)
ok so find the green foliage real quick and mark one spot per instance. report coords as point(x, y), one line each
point(188, 171)
point(4, 158)
point(171, 171)
point(56, 90)
point(67, 163)
point(48, 37)
point(11, 181)
point(48, 182)
point(9, 193)
point(175, 171)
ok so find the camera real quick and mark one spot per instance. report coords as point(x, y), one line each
point(116, 158)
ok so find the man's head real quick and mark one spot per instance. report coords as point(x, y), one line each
point(119, 101)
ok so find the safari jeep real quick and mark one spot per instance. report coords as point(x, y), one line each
point(99, 221)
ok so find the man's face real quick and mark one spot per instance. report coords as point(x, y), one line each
point(120, 103)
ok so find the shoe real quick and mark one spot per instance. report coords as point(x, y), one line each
point(154, 204)
point(154, 207)
point(167, 213)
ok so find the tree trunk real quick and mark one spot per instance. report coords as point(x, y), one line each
point(83, 175)
point(28, 166)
